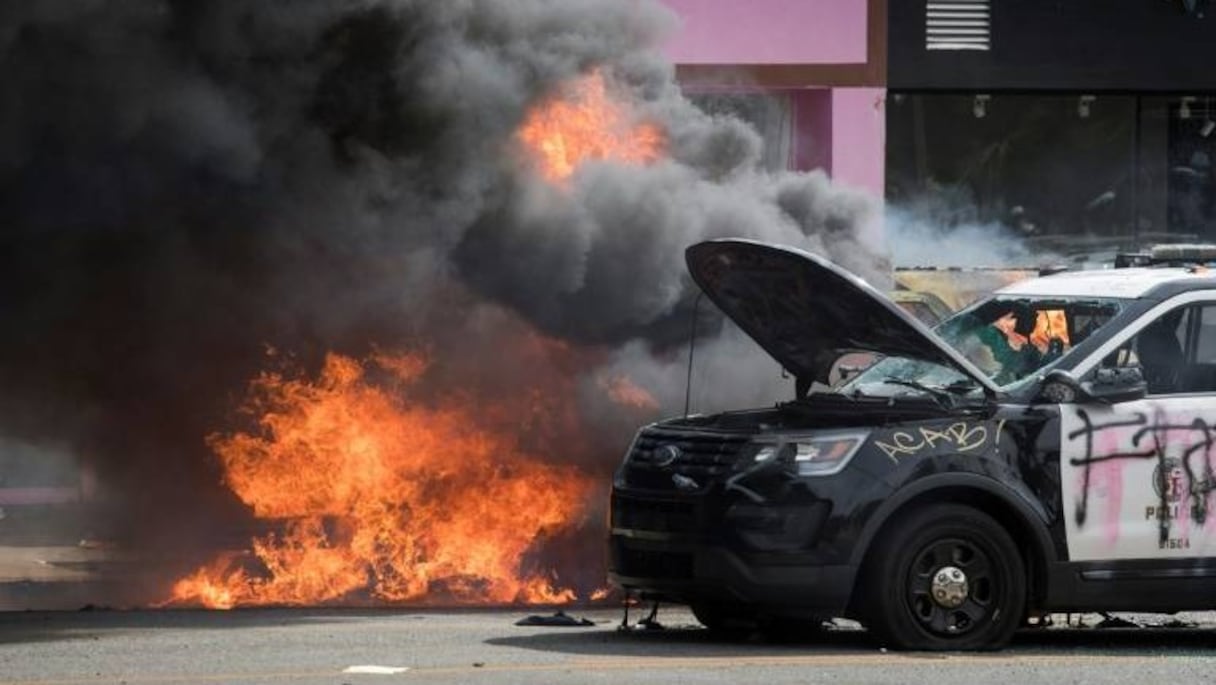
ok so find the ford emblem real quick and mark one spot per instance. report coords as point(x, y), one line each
point(666, 455)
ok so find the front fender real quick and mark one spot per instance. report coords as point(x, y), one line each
point(1014, 495)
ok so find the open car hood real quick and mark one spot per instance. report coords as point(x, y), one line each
point(806, 311)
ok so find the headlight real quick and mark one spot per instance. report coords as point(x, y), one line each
point(821, 454)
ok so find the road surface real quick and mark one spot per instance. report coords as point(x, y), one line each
point(486, 646)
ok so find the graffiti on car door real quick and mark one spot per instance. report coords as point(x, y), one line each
point(1138, 477)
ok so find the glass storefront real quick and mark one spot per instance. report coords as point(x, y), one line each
point(1071, 173)
point(1189, 148)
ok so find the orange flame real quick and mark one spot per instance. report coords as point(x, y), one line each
point(585, 124)
point(1049, 324)
point(625, 392)
point(383, 499)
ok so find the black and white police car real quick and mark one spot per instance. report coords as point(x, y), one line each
point(1047, 449)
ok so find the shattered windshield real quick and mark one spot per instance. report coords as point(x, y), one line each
point(1008, 338)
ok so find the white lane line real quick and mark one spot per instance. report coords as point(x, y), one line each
point(376, 670)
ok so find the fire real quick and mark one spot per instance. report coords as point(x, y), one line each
point(375, 496)
point(1049, 324)
point(625, 392)
point(583, 124)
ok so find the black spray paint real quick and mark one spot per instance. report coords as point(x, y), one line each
point(1154, 436)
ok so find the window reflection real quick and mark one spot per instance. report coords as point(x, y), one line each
point(1080, 175)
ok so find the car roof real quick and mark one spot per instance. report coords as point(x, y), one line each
point(1118, 283)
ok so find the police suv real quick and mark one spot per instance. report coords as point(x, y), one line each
point(1047, 449)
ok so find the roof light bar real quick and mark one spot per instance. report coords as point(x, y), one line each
point(1188, 252)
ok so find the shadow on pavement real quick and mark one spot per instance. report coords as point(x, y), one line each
point(694, 641)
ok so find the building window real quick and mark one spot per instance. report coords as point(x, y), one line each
point(1074, 174)
point(1049, 168)
point(769, 113)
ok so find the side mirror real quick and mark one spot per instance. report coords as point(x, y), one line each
point(1110, 385)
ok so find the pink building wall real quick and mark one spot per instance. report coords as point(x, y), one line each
point(769, 32)
point(843, 132)
point(812, 144)
point(840, 129)
point(859, 138)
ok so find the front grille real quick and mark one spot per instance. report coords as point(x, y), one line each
point(638, 563)
point(702, 456)
point(662, 516)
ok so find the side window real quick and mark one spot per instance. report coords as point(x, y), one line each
point(1177, 351)
point(1205, 341)
point(1159, 350)
point(1201, 357)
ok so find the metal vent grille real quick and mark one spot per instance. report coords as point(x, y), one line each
point(957, 25)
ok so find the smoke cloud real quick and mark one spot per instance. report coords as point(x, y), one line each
point(185, 185)
point(944, 229)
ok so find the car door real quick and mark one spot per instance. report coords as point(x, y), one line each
point(1137, 475)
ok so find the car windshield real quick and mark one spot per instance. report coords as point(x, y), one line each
point(1007, 337)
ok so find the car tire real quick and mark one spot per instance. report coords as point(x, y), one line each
point(946, 577)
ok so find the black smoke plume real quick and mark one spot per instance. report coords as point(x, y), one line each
point(184, 185)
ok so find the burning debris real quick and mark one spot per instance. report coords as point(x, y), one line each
point(559, 619)
point(461, 224)
point(383, 497)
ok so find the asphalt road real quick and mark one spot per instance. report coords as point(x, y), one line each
point(333, 646)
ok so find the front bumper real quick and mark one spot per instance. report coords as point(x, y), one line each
point(693, 574)
point(706, 550)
